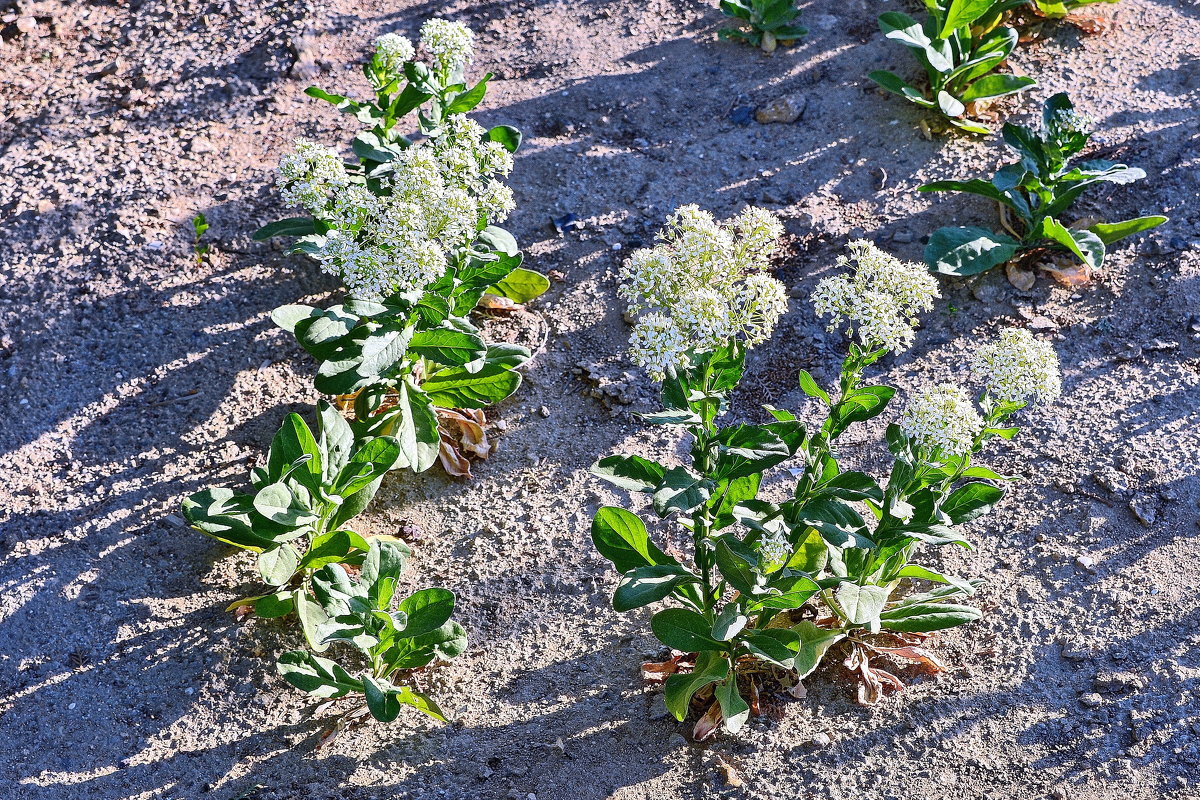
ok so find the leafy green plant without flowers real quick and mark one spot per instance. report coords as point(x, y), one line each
point(959, 45)
point(392, 637)
point(763, 23)
point(778, 585)
point(1034, 193)
point(409, 229)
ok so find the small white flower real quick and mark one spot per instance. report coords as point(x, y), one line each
point(657, 344)
point(707, 278)
point(391, 52)
point(774, 550)
point(310, 174)
point(1018, 368)
point(762, 301)
point(942, 420)
point(449, 44)
point(879, 300)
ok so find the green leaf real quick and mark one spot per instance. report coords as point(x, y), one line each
point(893, 83)
point(620, 536)
point(226, 516)
point(467, 100)
point(862, 604)
point(926, 617)
point(312, 617)
point(679, 689)
point(811, 555)
point(278, 565)
point(810, 387)
point(292, 226)
point(1115, 231)
point(334, 547)
point(684, 630)
point(521, 285)
point(275, 605)
point(680, 490)
point(495, 239)
point(279, 503)
point(506, 135)
point(970, 501)
point(287, 316)
point(730, 622)
point(853, 486)
point(950, 105)
point(734, 710)
point(917, 572)
point(416, 429)
point(634, 473)
point(318, 676)
point(427, 611)
point(968, 251)
point(1087, 246)
point(815, 642)
point(458, 388)
point(906, 30)
point(996, 86)
point(448, 346)
point(973, 186)
point(747, 449)
point(777, 646)
point(838, 523)
point(649, 584)
point(963, 12)
point(735, 569)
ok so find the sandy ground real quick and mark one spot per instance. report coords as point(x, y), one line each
point(131, 376)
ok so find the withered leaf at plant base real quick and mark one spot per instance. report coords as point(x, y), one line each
point(913, 653)
point(708, 724)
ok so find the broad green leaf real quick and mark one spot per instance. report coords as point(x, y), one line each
point(680, 490)
point(679, 689)
point(917, 572)
point(970, 501)
point(521, 285)
point(729, 623)
point(927, 617)
point(457, 388)
point(334, 547)
point(318, 676)
point(496, 239)
point(292, 226)
point(620, 536)
point(427, 610)
point(415, 429)
point(968, 251)
point(226, 516)
point(448, 346)
point(734, 710)
point(506, 135)
point(280, 504)
point(312, 617)
point(649, 584)
point(777, 646)
point(862, 604)
point(1115, 231)
point(814, 643)
point(747, 449)
point(735, 569)
point(275, 605)
point(963, 12)
point(278, 565)
point(1087, 246)
point(684, 630)
point(893, 83)
point(630, 472)
point(990, 86)
point(853, 486)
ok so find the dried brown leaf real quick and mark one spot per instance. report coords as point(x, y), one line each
point(492, 302)
point(1020, 277)
point(1070, 275)
point(914, 653)
point(453, 461)
point(707, 725)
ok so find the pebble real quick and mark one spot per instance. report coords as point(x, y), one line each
point(785, 110)
point(676, 741)
point(822, 740)
point(1144, 510)
point(1109, 682)
point(1086, 562)
point(1091, 700)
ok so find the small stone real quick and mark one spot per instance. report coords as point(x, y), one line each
point(201, 145)
point(1109, 682)
point(1091, 700)
point(27, 24)
point(1128, 352)
point(904, 237)
point(1144, 510)
point(742, 115)
point(1041, 323)
point(676, 741)
point(1059, 793)
point(1086, 562)
point(545, 412)
point(785, 110)
point(822, 740)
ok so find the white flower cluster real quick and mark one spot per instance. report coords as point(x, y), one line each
point(450, 44)
point(880, 300)
point(311, 174)
point(1067, 123)
point(704, 284)
point(436, 195)
point(391, 52)
point(942, 419)
point(774, 550)
point(1018, 368)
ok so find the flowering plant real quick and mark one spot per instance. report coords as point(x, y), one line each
point(958, 45)
point(410, 230)
point(1037, 190)
point(777, 584)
